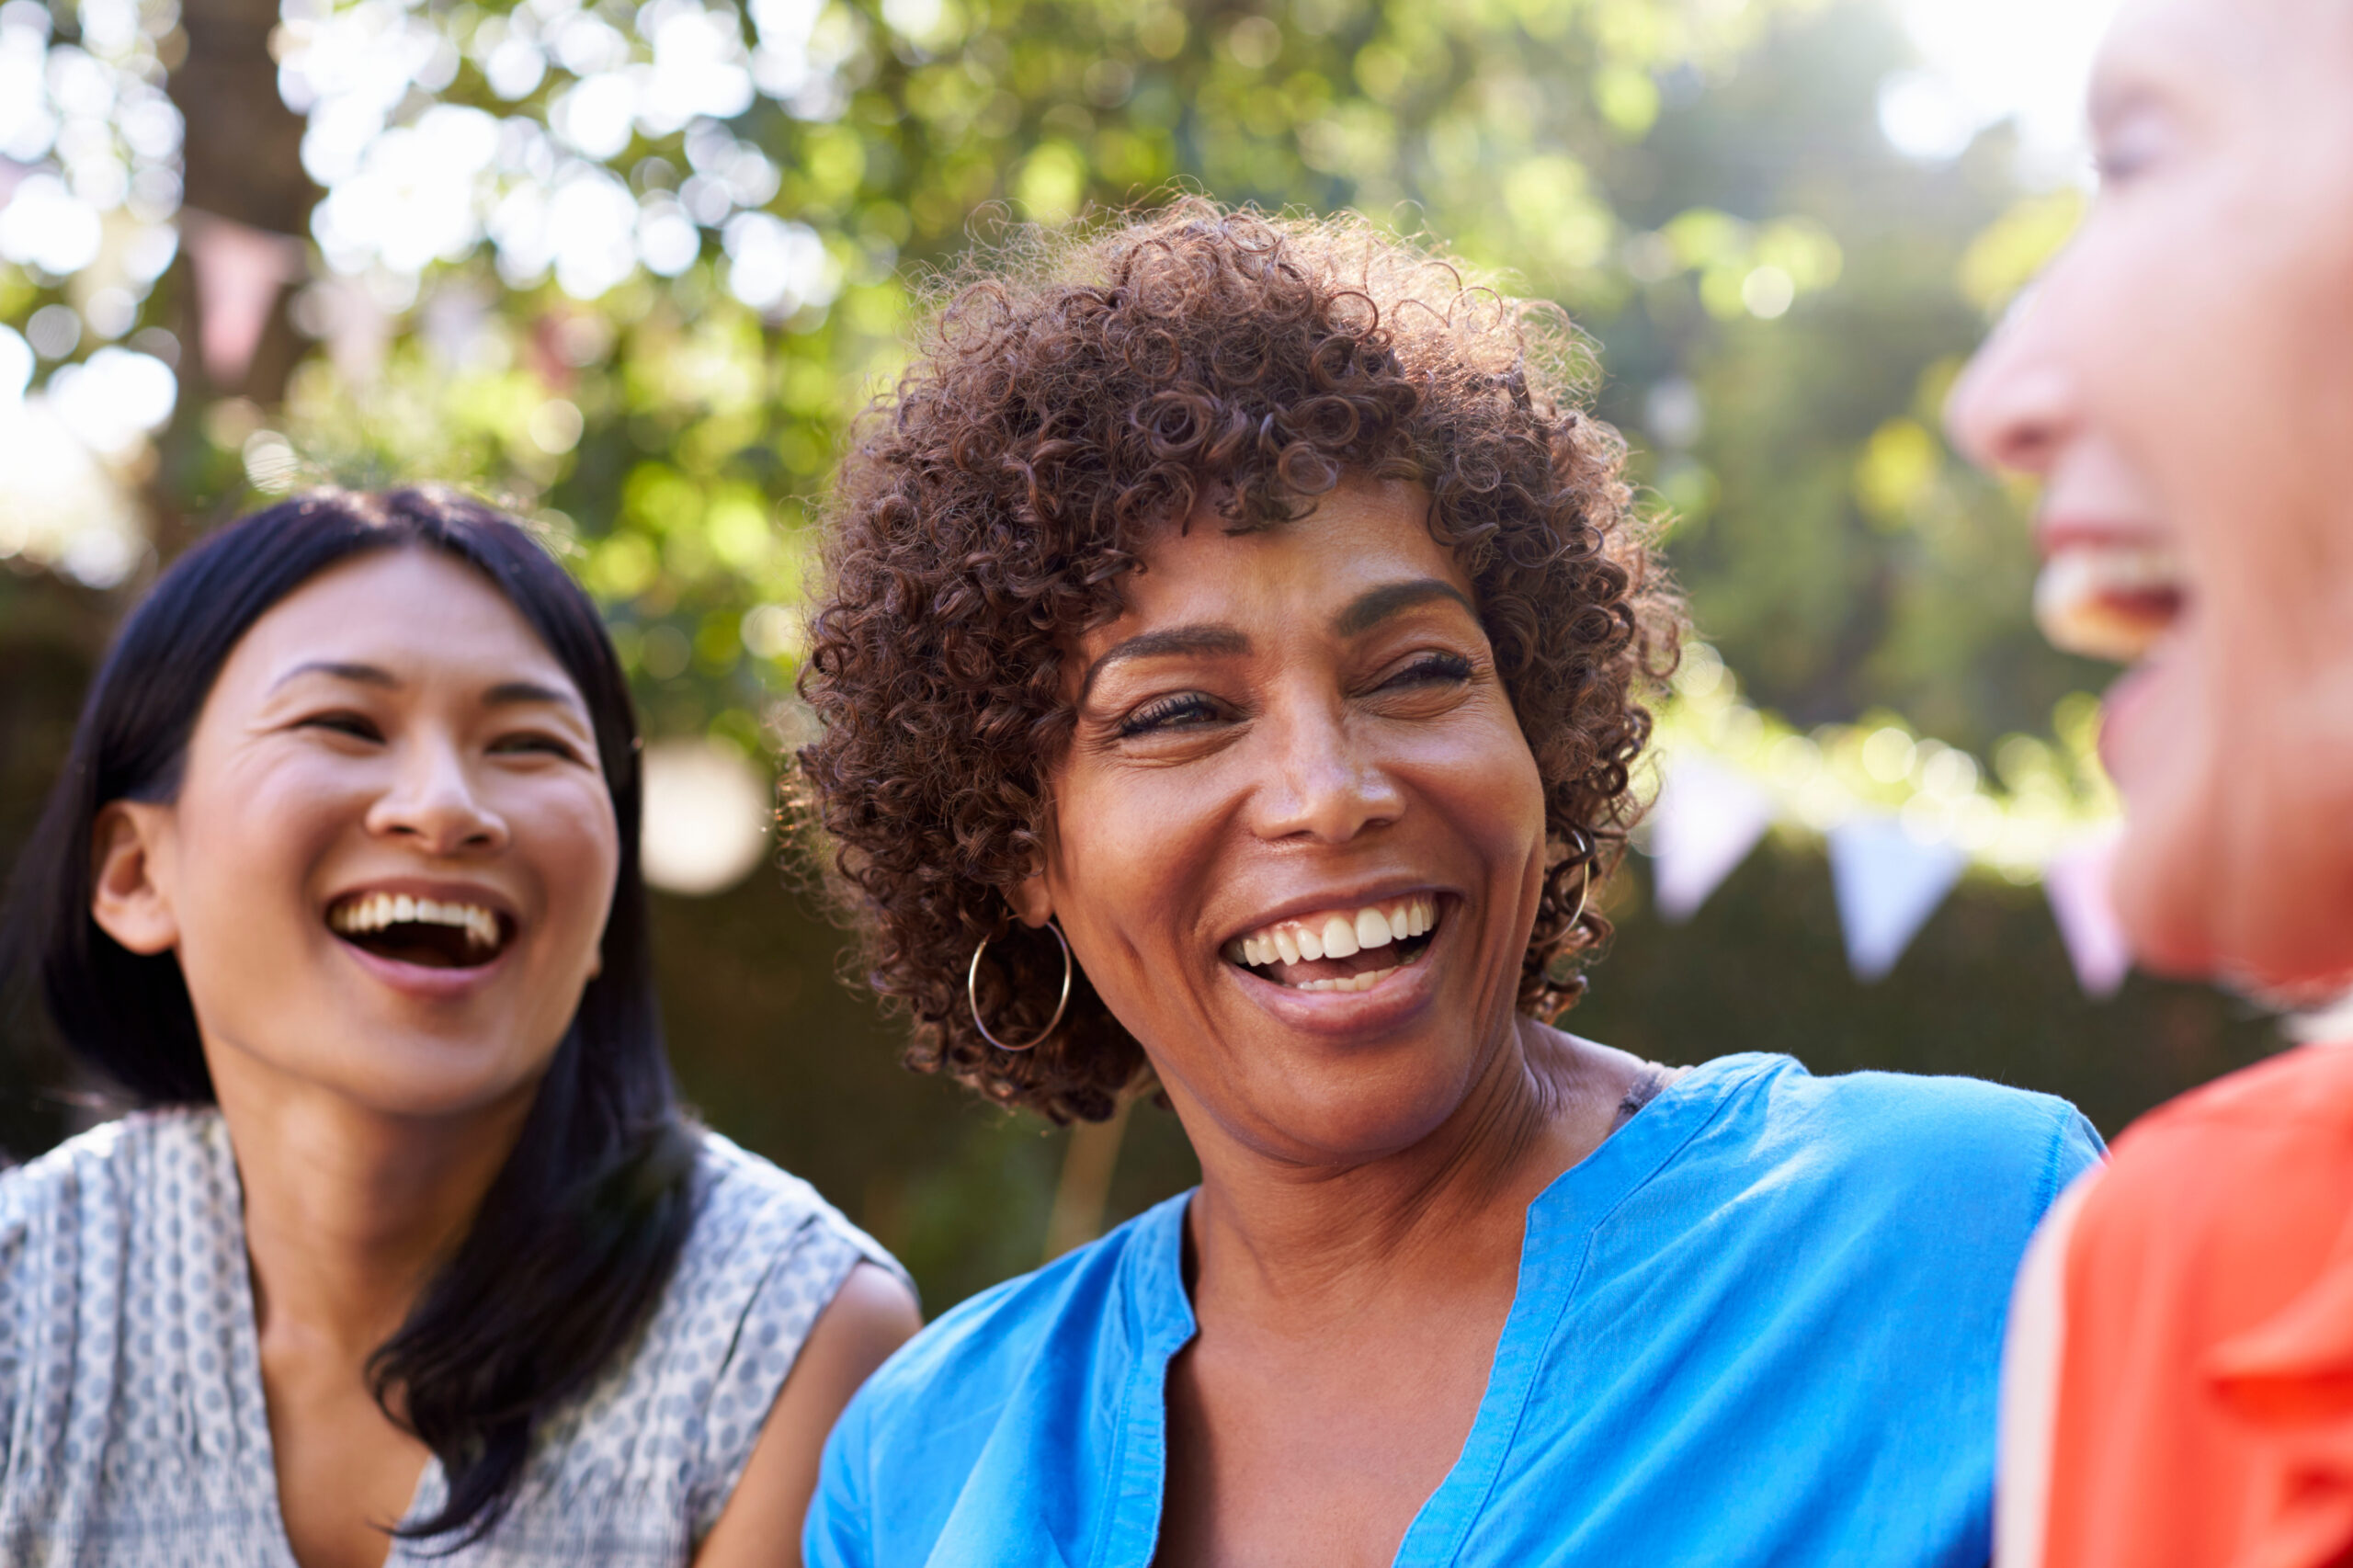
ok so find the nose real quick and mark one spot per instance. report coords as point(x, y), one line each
point(2015, 407)
point(1326, 783)
point(433, 805)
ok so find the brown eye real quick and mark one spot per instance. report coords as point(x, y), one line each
point(1182, 712)
point(1431, 669)
point(545, 745)
point(358, 726)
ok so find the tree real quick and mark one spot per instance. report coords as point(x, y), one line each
point(632, 268)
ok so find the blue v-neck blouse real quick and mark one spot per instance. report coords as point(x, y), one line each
point(1761, 1324)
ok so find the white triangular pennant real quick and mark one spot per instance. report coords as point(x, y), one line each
point(239, 272)
point(1888, 884)
point(2076, 880)
point(1707, 820)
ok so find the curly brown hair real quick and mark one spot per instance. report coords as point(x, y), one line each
point(1067, 394)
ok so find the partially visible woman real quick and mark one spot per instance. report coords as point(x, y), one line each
point(1231, 664)
point(2182, 1366)
point(415, 1257)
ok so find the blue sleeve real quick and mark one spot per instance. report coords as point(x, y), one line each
point(838, 1533)
point(2078, 1148)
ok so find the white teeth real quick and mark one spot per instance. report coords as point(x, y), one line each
point(373, 911)
point(1339, 938)
point(2108, 601)
point(1336, 936)
point(1365, 981)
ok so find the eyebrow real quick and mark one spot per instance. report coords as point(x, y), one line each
point(1363, 613)
point(1374, 605)
point(1222, 641)
point(362, 675)
point(513, 691)
point(505, 694)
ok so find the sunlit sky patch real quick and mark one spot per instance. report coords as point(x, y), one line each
point(1985, 61)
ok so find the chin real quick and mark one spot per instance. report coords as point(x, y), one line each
point(1370, 1111)
point(432, 1079)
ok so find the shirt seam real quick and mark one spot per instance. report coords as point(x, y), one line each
point(1476, 1508)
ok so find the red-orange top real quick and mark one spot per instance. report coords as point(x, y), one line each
point(2202, 1406)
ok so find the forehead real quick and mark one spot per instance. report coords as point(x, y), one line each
point(1360, 535)
point(2205, 49)
point(418, 613)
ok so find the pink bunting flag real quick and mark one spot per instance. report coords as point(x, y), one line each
point(2076, 882)
point(240, 272)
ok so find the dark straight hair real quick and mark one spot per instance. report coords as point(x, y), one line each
point(580, 1230)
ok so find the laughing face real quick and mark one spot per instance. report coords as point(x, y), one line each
point(1298, 839)
point(2182, 381)
point(387, 869)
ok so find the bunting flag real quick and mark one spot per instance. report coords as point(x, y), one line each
point(2076, 880)
point(358, 330)
point(1888, 884)
point(1707, 820)
point(240, 272)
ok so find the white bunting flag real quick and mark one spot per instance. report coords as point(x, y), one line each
point(239, 274)
point(1707, 820)
point(1888, 884)
point(2076, 882)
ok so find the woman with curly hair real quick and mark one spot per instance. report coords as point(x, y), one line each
point(1231, 664)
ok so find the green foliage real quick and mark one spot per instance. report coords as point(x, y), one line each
point(1778, 303)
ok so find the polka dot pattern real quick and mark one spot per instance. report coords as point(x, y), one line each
point(132, 1430)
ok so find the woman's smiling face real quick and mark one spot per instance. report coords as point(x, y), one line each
point(388, 865)
point(1298, 838)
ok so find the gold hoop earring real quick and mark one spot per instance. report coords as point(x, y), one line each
point(1585, 891)
point(972, 993)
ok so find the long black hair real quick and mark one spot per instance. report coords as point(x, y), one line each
point(580, 1231)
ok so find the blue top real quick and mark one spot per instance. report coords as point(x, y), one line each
point(1761, 1324)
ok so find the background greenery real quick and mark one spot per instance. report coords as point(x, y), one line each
point(631, 269)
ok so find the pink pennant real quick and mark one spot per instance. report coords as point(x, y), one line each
point(239, 274)
point(2076, 882)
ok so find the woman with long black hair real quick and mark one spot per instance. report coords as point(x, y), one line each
point(411, 1253)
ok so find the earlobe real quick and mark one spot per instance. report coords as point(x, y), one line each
point(125, 899)
point(1032, 904)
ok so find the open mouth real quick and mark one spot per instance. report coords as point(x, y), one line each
point(427, 932)
point(2110, 599)
point(1340, 949)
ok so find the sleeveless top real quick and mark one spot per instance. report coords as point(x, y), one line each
point(132, 1430)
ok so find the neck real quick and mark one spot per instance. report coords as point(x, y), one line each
point(349, 1210)
point(1326, 1240)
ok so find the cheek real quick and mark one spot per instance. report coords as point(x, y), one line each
point(1488, 785)
point(264, 833)
point(568, 835)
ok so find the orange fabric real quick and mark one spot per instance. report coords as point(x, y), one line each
point(2205, 1393)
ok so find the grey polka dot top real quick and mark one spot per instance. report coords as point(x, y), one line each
point(133, 1432)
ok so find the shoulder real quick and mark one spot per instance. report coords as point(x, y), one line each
point(102, 1176)
point(2260, 1163)
point(79, 1223)
point(764, 1259)
point(744, 1204)
point(1895, 1137)
point(979, 1351)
